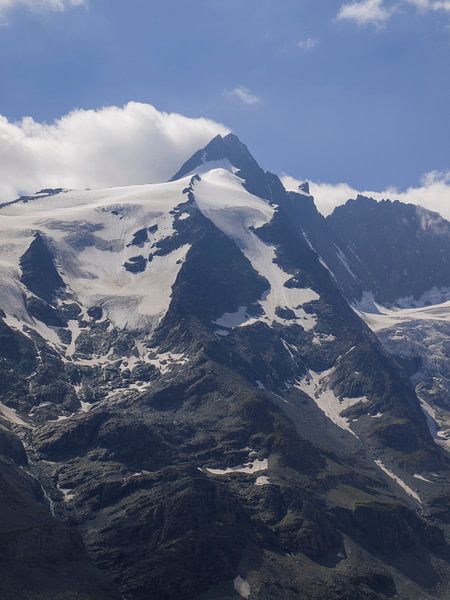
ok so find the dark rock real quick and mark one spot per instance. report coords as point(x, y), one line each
point(39, 273)
point(403, 248)
point(12, 448)
point(44, 312)
point(136, 264)
point(95, 312)
point(139, 238)
point(389, 528)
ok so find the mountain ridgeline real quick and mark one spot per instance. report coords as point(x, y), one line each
point(202, 397)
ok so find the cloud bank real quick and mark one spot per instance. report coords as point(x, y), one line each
point(433, 193)
point(98, 148)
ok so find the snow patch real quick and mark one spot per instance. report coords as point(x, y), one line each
point(236, 319)
point(399, 481)
point(242, 587)
point(435, 423)
point(27, 324)
point(344, 262)
point(323, 338)
point(166, 361)
point(315, 385)
point(222, 332)
point(75, 330)
point(11, 415)
point(251, 467)
point(67, 494)
point(140, 473)
point(422, 478)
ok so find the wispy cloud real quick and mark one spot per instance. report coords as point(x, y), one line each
point(364, 12)
point(433, 193)
point(244, 95)
point(39, 5)
point(308, 43)
point(434, 5)
point(378, 12)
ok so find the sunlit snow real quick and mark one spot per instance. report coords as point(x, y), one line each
point(242, 587)
point(315, 385)
point(399, 481)
point(222, 198)
point(249, 468)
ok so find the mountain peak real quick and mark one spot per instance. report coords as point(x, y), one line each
point(227, 147)
point(304, 187)
point(229, 151)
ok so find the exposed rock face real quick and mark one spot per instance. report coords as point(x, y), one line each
point(403, 249)
point(202, 408)
point(40, 556)
point(39, 274)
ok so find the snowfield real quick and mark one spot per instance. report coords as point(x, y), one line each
point(90, 233)
point(92, 236)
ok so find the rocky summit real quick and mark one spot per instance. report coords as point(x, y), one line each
point(210, 391)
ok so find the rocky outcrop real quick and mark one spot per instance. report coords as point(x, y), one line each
point(39, 273)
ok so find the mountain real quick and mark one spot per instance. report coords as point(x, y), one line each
point(338, 256)
point(405, 253)
point(403, 249)
point(205, 413)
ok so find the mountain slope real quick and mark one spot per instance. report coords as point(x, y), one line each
point(200, 401)
point(405, 249)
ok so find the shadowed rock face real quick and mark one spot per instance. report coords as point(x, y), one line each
point(39, 273)
point(402, 250)
point(253, 440)
point(40, 556)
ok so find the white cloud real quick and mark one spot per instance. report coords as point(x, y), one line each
point(98, 148)
point(433, 193)
point(308, 43)
point(365, 11)
point(435, 5)
point(244, 95)
point(35, 5)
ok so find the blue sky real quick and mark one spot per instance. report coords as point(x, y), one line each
point(323, 89)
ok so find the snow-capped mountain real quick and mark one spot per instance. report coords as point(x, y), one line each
point(188, 385)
